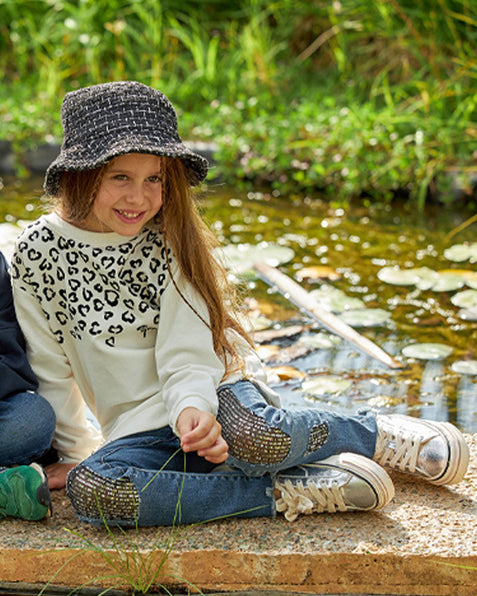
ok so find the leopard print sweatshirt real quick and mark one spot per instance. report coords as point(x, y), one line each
point(106, 327)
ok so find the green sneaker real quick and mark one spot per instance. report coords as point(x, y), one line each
point(24, 493)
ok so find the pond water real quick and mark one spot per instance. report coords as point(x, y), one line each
point(384, 261)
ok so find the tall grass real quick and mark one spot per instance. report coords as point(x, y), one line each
point(404, 69)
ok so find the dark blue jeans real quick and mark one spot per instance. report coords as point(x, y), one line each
point(140, 479)
point(27, 424)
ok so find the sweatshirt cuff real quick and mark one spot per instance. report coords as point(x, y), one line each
point(190, 402)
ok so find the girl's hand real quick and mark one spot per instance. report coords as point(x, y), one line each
point(56, 474)
point(199, 431)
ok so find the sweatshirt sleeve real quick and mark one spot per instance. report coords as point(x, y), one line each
point(16, 375)
point(188, 367)
point(75, 437)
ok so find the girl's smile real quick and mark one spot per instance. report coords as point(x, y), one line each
point(130, 195)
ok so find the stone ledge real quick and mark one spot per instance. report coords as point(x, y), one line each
point(336, 573)
point(419, 545)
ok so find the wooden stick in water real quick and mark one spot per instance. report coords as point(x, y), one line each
point(301, 298)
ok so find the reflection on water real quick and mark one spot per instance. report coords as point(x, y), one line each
point(356, 242)
point(432, 393)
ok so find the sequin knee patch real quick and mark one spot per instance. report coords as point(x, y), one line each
point(249, 437)
point(95, 497)
point(318, 437)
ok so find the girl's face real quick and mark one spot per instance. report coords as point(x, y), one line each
point(130, 195)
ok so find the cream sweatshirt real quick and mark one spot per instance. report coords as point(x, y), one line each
point(105, 326)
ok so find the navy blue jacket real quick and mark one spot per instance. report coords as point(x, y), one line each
point(16, 374)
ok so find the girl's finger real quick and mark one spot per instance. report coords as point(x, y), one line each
point(217, 453)
point(201, 437)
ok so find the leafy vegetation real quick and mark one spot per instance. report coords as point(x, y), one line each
point(366, 98)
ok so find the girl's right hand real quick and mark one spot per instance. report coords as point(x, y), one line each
point(199, 431)
point(57, 473)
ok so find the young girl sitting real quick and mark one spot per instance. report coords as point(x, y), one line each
point(126, 310)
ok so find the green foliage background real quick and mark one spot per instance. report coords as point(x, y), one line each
point(351, 97)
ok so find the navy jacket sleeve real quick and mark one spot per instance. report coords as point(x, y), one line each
point(16, 374)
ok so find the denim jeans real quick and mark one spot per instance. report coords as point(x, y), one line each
point(27, 424)
point(141, 478)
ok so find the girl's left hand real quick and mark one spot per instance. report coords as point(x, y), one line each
point(199, 431)
point(57, 473)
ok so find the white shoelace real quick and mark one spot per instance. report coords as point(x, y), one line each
point(398, 452)
point(297, 499)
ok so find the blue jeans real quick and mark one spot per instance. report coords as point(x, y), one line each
point(27, 424)
point(141, 478)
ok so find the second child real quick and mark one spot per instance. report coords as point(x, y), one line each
point(27, 420)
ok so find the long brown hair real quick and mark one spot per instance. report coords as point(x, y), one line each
point(191, 241)
point(76, 194)
point(193, 245)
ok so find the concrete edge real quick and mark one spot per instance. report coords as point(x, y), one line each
point(227, 571)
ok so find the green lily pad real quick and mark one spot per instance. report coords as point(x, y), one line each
point(326, 384)
point(239, 258)
point(336, 301)
point(448, 283)
point(471, 282)
point(399, 277)
point(427, 351)
point(467, 276)
point(465, 299)
point(428, 278)
point(462, 252)
point(367, 317)
point(465, 367)
point(320, 340)
point(423, 278)
point(251, 324)
point(468, 314)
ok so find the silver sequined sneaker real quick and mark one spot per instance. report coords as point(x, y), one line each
point(436, 451)
point(344, 482)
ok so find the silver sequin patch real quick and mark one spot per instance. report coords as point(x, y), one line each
point(94, 496)
point(318, 437)
point(249, 437)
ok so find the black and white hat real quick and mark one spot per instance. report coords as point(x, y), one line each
point(104, 121)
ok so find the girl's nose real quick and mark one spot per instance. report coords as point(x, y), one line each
point(135, 194)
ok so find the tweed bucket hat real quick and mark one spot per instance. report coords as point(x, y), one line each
point(104, 121)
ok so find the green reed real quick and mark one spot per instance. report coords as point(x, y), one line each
point(404, 71)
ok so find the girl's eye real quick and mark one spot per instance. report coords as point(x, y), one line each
point(155, 179)
point(120, 177)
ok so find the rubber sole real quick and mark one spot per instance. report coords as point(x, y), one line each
point(458, 455)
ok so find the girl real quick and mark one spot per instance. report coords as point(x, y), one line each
point(125, 310)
